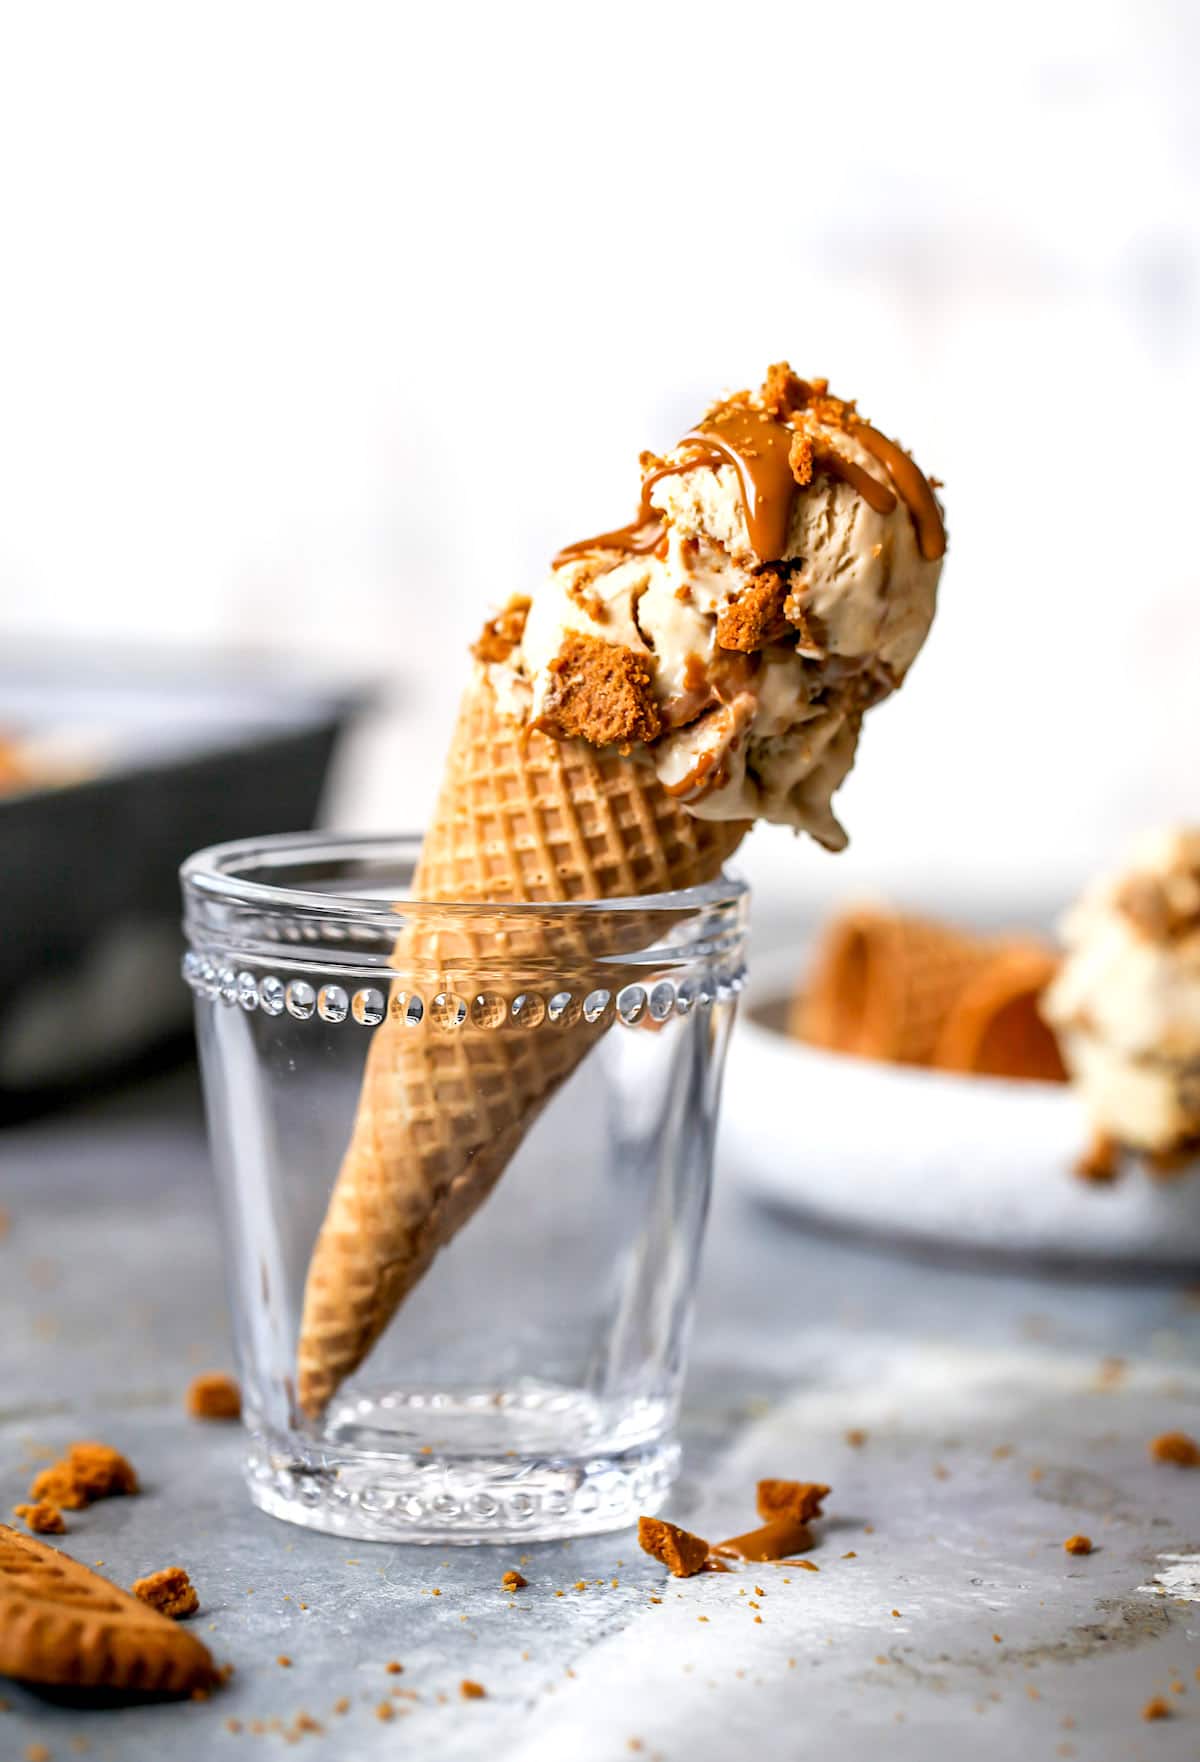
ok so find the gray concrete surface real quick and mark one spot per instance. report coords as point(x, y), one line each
point(958, 1626)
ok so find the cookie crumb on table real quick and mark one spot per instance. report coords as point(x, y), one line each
point(87, 1472)
point(514, 1581)
point(170, 1591)
point(214, 1395)
point(1078, 1544)
point(394, 1667)
point(471, 1691)
point(1176, 1447)
point(44, 1518)
point(1156, 1708)
point(682, 1553)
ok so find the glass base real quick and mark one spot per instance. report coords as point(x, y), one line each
point(537, 1467)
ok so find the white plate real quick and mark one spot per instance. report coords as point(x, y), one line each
point(970, 1162)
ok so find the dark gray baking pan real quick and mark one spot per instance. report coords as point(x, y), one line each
point(184, 756)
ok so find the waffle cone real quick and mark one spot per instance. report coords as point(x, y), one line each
point(994, 1028)
point(520, 818)
point(882, 985)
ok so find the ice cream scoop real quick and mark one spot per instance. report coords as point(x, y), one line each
point(669, 683)
point(779, 579)
point(1126, 1002)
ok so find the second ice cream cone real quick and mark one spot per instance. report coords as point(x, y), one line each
point(882, 985)
point(994, 1028)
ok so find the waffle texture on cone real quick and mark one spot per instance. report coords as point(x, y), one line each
point(882, 985)
point(521, 818)
point(994, 1027)
point(61, 1623)
point(911, 991)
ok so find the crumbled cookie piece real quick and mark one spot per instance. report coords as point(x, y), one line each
point(1078, 1544)
point(56, 1486)
point(87, 1472)
point(385, 1711)
point(856, 1437)
point(514, 1581)
point(170, 1591)
point(1176, 1447)
point(757, 616)
point(101, 1471)
point(502, 634)
point(584, 594)
point(394, 1667)
point(601, 693)
point(214, 1395)
point(801, 458)
point(471, 1691)
point(43, 1518)
point(1157, 1707)
point(784, 392)
point(682, 1553)
point(799, 1500)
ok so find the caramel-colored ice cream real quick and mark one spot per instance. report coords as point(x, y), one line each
point(1126, 1002)
point(778, 581)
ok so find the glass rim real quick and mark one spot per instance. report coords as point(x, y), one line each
point(212, 874)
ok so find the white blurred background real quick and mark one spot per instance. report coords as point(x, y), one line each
point(322, 326)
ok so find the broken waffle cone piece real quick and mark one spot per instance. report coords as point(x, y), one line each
point(993, 1027)
point(521, 818)
point(61, 1623)
point(882, 985)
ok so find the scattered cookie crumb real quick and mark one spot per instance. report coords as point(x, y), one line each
point(682, 1553)
point(1176, 1447)
point(342, 1704)
point(471, 1691)
point(214, 1395)
point(36, 1753)
point(283, 1661)
point(850, 1554)
point(385, 1711)
point(502, 634)
point(1078, 1544)
point(515, 1581)
point(1156, 1708)
point(394, 1667)
point(44, 1518)
point(170, 1591)
point(804, 1566)
point(856, 1437)
point(756, 618)
point(87, 1472)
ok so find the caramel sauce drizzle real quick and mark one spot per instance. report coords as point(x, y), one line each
point(758, 446)
point(777, 1540)
point(876, 495)
point(913, 487)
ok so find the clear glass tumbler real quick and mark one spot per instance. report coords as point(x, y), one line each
point(527, 1384)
